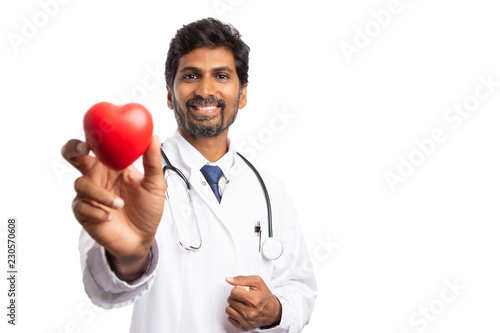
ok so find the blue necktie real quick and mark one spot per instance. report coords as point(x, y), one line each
point(212, 174)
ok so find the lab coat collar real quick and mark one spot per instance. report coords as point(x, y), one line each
point(195, 160)
point(192, 157)
point(187, 159)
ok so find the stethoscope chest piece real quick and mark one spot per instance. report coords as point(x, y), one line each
point(272, 248)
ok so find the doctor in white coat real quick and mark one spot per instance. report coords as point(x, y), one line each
point(130, 245)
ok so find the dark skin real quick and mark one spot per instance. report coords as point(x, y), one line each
point(121, 210)
point(253, 307)
point(203, 73)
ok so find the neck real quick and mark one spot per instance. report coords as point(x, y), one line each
point(212, 148)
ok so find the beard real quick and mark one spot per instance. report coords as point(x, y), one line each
point(203, 125)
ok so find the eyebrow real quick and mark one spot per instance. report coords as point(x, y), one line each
point(197, 69)
point(189, 69)
point(222, 69)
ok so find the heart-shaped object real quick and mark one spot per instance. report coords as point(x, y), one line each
point(118, 135)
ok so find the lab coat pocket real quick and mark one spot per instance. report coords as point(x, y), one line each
point(249, 260)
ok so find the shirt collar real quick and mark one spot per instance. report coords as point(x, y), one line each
point(195, 160)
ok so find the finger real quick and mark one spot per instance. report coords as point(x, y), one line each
point(74, 148)
point(76, 152)
point(237, 304)
point(234, 322)
point(153, 172)
point(241, 295)
point(233, 313)
point(237, 319)
point(252, 281)
point(85, 211)
point(86, 188)
point(240, 325)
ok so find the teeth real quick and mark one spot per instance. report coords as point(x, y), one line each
point(206, 108)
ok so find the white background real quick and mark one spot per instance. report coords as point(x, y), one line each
point(349, 123)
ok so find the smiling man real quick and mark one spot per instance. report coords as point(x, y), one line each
point(204, 270)
point(207, 96)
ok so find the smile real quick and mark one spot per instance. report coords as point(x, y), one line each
point(204, 110)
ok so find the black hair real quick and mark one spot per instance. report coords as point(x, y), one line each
point(209, 33)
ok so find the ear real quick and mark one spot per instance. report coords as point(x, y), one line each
point(170, 102)
point(243, 97)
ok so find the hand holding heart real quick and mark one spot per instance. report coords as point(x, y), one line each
point(120, 209)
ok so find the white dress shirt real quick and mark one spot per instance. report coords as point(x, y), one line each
point(185, 291)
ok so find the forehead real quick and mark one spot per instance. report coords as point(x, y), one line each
point(206, 58)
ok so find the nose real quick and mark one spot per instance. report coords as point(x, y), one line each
point(205, 88)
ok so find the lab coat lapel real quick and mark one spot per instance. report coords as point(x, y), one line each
point(227, 210)
point(190, 165)
point(199, 184)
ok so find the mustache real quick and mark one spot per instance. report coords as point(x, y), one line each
point(208, 101)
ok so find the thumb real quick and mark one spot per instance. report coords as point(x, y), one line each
point(151, 161)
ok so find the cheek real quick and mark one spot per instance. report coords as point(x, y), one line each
point(230, 95)
point(182, 94)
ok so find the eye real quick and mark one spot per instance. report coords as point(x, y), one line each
point(222, 77)
point(190, 77)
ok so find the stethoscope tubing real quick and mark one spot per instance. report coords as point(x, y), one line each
point(274, 247)
point(169, 166)
point(266, 195)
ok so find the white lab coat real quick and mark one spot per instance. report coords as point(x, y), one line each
point(187, 292)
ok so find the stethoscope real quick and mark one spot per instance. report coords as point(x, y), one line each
point(271, 248)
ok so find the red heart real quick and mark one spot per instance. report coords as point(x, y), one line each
point(118, 135)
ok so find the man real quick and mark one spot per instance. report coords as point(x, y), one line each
point(128, 256)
